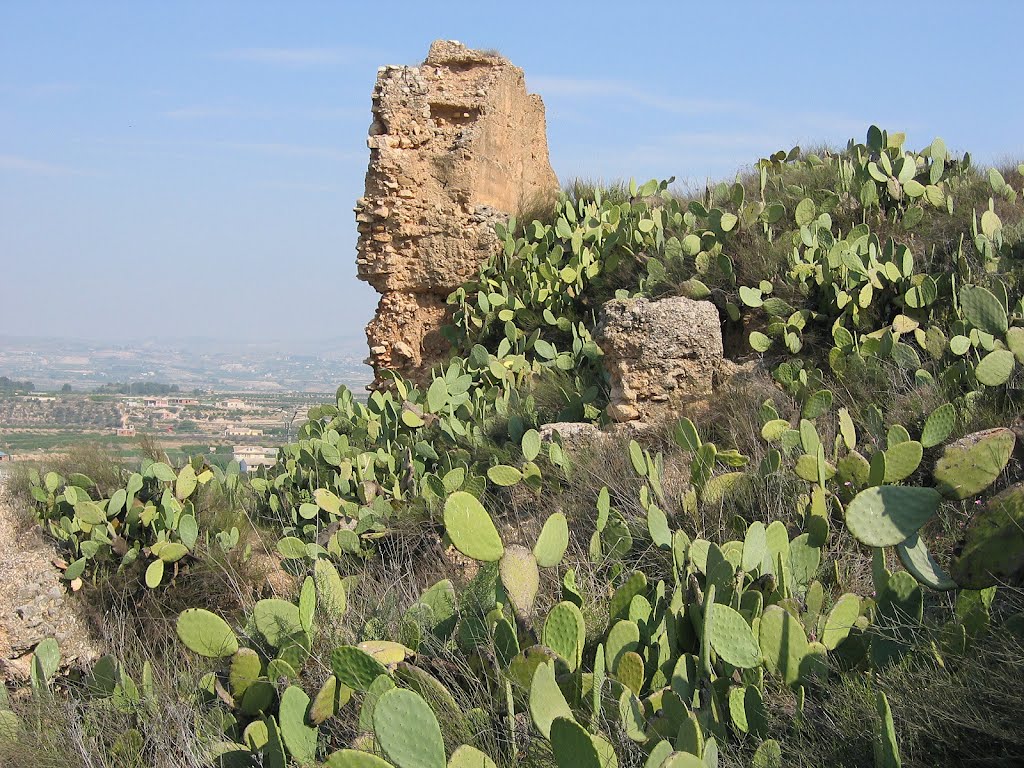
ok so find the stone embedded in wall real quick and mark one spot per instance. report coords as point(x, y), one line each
point(456, 145)
point(660, 354)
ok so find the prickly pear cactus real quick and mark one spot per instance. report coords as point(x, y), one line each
point(206, 633)
point(992, 551)
point(732, 638)
point(565, 632)
point(471, 529)
point(355, 668)
point(884, 516)
point(970, 465)
point(407, 730)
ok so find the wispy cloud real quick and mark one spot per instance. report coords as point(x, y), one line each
point(291, 57)
point(178, 148)
point(292, 150)
point(299, 186)
point(226, 112)
point(17, 164)
point(624, 90)
point(717, 148)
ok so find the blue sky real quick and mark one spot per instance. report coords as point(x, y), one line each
point(189, 168)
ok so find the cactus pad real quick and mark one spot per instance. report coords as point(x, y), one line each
point(885, 515)
point(630, 671)
point(572, 745)
point(470, 757)
point(355, 668)
point(995, 368)
point(471, 529)
point(299, 737)
point(546, 699)
point(206, 633)
point(938, 425)
point(277, 620)
point(690, 738)
point(329, 588)
point(918, 560)
point(886, 750)
point(732, 638)
point(683, 760)
point(767, 755)
point(983, 310)
point(631, 716)
point(245, 668)
point(329, 700)
point(504, 475)
point(258, 697)
point(521, 579)
point(783, 643)
point(840, 621)
point(552, 542)
point(659, 754)
point(355, 758)
point(993, 549)
point(755, 547)
point(902, 460)
point(635, 584)
point(623, 637)
point(407, 730)
point(377, 688)
point(971, 464)
point(565, 632)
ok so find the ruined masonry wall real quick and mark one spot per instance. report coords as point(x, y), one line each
point(456, 145)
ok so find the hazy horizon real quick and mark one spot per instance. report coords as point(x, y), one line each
point(189, 170)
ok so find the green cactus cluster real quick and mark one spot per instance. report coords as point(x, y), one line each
point(155, 520)
point(635, 632)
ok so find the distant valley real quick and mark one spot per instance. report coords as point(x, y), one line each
point(189, 363)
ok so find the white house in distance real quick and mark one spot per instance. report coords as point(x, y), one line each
point(254, 456)
point(234, 431)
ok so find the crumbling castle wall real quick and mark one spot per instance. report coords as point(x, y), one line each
point(660, 355)
point(456, 145)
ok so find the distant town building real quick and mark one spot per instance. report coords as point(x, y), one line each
point(182, 401)
point(233, 431)
point(254, 456)
point(5, 456)
point(40, 398)
point(156, 402)
point(126, 431)
point(233, 404)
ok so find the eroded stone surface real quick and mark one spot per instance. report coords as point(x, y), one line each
point(660, 355)
point(33, 602)
point(572, 434)
point(456, 145)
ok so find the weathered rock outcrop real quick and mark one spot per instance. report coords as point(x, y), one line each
point(660, 355)
point(456, 144)
point(33, 603)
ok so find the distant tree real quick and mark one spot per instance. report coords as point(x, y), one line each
point(136, 388)
point(66, 389)
point(10, 385)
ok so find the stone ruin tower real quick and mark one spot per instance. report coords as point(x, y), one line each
point(456, 145)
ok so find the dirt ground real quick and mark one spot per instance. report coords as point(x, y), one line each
point(33, 604)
